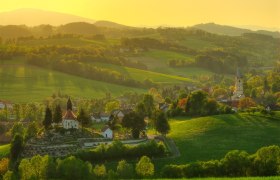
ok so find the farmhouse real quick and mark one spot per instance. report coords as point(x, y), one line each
point(107, 132)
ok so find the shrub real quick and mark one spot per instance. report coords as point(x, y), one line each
point(172, 171)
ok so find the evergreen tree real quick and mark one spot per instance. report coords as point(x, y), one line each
point(57, 116)
point(161, 123)
point(83, 118)
point(48, 118)
point(69, 104)
point(16, 148)
point(135, 122)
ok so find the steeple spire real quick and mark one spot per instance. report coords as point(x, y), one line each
point(69, 104)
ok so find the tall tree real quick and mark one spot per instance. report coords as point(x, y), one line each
point(48, 118)
point(135, 122)
point(266, 87)
point(69, 104)
point(16, 148)
point(83, 117)
point(57, 116)
point(148, 102)
point(161, 123)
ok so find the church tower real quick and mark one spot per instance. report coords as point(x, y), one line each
point(238, 90)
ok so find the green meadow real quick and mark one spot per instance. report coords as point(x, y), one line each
point(4, 150)
point(206, 138)
point(24, 83)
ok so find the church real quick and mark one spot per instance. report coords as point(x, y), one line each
point(238, 90)
point(69, 120)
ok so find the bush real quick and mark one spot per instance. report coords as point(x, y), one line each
point(172, 171)
point(117, 150)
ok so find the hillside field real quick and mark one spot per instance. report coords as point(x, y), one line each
point(24, 83)
point(206, 138)
point(4, 150)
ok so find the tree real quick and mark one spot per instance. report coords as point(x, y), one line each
point(148, 102)
point(57, 116)
point(17, 128)
point(4, 166)
point(161, 123)
point(236, 163)
point(32, 130)
point(99, 171)
point(16, 148)
point(246, 102)
point(196, 102)
point(145, 168)
point(10, 175)
point(112, 105)
point(266, 87)
point(135, 122)
point(83, 118)
point(124, 170)
point(47, 122)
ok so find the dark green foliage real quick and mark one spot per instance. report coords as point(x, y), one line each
point(196, 102)
point(125, 170)
point(236, 163)
point(83, 117)
point(57, 116)
point(73, 168)
point(148, 102)
point(16, 148)
point(161, 123)
point(172, 171)
point(135, 122)
point(47, 122)
point(265, 162)
point(117, 150)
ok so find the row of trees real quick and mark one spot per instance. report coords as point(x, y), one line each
point(265, 162)
point(46, 167)
point(197, 103)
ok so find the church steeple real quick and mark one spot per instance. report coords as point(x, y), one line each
point(69, 104)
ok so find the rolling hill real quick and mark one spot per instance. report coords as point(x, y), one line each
point(211, 137)
point(232, 31)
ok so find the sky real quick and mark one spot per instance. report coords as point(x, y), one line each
point(264, 13)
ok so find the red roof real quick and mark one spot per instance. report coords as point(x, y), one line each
point(69, 115)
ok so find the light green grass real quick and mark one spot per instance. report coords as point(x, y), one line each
point(4, 150)
point(24, 83)
point(157, 61)
point(241, 178)
point(206, 138)
point(141, 75)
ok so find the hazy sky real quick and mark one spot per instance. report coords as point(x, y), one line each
point(264, 13)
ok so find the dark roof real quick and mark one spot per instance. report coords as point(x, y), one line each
point(69, 115)
point(105, 128)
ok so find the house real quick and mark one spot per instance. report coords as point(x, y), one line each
point(107, 132)
point(4, 104)
point(69, 120)
point(118, 113)
point(95, 117)
point(105, 117)
point(163, 107)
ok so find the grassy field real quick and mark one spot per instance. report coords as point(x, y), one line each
point(4, 150)
point(241, 178)
point(141, 75)
point(24, 83)
point(207, 138)
point(157, 61)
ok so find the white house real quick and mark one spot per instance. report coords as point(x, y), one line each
point(107, 132)
point(104, 117)
point(70, 121)
point(118, 113)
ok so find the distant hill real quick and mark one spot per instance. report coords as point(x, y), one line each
point(110, 24)
point(34, 17)
point(78, 28)
point(12, 31)
point(231, 31)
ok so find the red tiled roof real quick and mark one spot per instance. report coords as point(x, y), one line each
point(69, 115)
